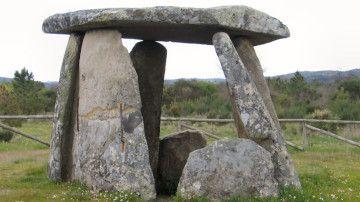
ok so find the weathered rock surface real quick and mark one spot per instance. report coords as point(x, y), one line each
point(246, 51)
point(192, 25)
point(174, 152)
point(62, 136)
point(228, 168)
point(110, 150)
point(252, 117)
point(149, 59)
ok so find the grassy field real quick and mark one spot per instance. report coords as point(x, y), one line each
point(329, 169)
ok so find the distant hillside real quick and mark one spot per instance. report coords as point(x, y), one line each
point(324, 76)
point(212, 80)
point(328, 76)
point(48, 84)
point(4, 79)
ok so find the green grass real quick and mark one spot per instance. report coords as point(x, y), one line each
point(39, 129)
point(329, 170)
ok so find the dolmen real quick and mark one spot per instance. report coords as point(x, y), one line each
point(108, 108)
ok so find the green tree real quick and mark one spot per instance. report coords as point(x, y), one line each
point(27, 92)
point(8, 102)
point(293, 98)
point(352, 86)
point(8, 106)
point(344, 106)
point(49, 98)
point(196, 98)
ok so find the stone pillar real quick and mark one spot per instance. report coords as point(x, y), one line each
point(62, 136)
point(251, 111)
point(149, 59)
point(248, 56)
point(110, 150)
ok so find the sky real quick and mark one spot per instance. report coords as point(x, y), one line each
point(325, 35)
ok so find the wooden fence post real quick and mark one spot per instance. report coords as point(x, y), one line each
point(305, 135)
point(179, 126)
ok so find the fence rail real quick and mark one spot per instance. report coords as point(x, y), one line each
point(197, 119)
point(327, 133)
point(280, 120)
point(180, 120)
point(26, 117)
point(14, 130)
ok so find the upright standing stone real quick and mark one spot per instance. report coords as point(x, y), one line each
point(254, 119)
point(62, 136)
point(110, 150)
point(149, 59)
point(246, 52)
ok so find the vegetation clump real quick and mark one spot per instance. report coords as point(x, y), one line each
point(293, 98)
point(5, 136)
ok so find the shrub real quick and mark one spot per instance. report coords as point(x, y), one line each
point(344, 107)
point(324, 114)
point(5, 136)
point(9, 105)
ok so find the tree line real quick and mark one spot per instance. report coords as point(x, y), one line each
point(26, 96)
point(294, 98)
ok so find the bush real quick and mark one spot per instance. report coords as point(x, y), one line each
point(324, 114)
point(5, 136)
point(9, 105)
point(344, 107)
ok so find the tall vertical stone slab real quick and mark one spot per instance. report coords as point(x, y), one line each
point(111, 152)
point(249, 108)
point(149, 60)
point(246, 52)
point(62, 136)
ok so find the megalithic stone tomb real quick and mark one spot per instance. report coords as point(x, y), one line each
point(108, 108)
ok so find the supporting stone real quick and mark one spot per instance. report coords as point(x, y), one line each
point(110, 151)
point(174, 152)
point(62, 136)
point(149, 59)
point(252, 117)
point(248, 56)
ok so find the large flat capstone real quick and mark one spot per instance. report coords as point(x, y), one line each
point(189, 25)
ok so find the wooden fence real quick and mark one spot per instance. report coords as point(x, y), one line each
point(304, 123)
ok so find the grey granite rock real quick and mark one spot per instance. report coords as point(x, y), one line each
point(192, 25)
point(228, 168)
point(253, 119)
point(174, 152)
point(149, 59)
point(246, 51)
point(110, 150)
point(61, 138)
